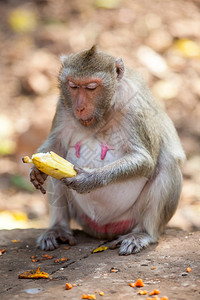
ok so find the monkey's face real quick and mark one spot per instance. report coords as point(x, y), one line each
point(89, 99)
point(87, 81)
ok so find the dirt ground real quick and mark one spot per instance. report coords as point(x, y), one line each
point(161, 266)
point(158, 38)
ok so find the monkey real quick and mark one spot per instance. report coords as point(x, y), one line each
point(126, 152)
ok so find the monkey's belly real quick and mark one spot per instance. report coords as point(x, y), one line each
point(108, 210)
point(105, 211)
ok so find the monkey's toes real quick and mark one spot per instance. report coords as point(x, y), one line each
point(70, 239)
point(116, 243)
point(131, 243)
point(128, 247)
point(47, 243)
point(50, 238)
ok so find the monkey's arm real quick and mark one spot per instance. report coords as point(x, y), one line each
point(52, 143)
point(139, 163)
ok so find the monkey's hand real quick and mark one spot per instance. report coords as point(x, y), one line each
point(38, 178)
point(85, 180)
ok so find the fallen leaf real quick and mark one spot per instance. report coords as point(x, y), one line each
point(99, 249)
point(63, 259)
point(88, 296)
point(107, 4)
point(21, 20)
point(114, 270)
point(2, 251)
point(155, 63)
point(187, 48)
point(31, 275)
point(47, 256)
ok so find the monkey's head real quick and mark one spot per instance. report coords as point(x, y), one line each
point(88, 81)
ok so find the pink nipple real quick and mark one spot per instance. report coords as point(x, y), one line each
point(77, 149)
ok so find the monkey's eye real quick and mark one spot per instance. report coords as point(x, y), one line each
point(72, 85)
point(92, 86)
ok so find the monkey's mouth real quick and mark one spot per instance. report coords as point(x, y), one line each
point(87, 122)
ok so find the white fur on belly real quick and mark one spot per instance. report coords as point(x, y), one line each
point(107, 204)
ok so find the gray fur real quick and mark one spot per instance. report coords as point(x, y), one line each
point(144, 162)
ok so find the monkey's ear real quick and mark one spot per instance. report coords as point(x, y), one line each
point(119, 68)
point(63, 58)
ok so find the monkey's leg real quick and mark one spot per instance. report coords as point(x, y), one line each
point(59, 219)
point(156, 205)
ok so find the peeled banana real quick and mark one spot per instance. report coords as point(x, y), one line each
point(51, 164)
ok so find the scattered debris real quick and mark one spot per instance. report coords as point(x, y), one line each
point(138, 283)
point(100, 249)
point(142, 292)
point(2, 251)
point(114, 270)
point(88, 296)
point(34, 275)
point(154, 292)
point(68, 286)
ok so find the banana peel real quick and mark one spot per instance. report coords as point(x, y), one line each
point(51, 164)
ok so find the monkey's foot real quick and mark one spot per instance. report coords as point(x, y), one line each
point(132, 243)
point(49, 239)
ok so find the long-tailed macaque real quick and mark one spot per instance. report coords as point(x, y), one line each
point(125, 150)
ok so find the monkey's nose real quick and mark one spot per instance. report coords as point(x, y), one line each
point(80, 110)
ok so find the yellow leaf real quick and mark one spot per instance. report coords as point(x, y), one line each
point(99, 249)
point(31, 275)
point(107, 4)
point(20, 216)
point(21, 20)
point(188, 48)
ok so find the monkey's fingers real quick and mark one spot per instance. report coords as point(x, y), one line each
point(70, 239)
point(115, 244)
point(78, 170)
point(67, 181)
point(43, 191)
point(38, 186)
point(40, 178)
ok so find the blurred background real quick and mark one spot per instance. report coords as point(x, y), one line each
point(161, 39)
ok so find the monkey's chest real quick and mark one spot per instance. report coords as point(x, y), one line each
point(92, 153)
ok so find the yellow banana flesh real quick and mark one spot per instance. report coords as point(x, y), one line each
point(51, 164)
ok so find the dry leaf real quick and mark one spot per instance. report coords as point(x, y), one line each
point(47, 256)
point(88, 296)
point(99, 249)
point(187, 48)
point(31, 275)
point(2, 251)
